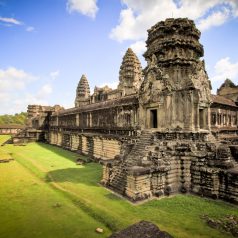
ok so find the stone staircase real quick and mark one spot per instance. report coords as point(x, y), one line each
point(118, 181)
point(139, 150)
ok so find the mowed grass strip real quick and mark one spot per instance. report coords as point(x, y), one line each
point(179, 215)
point(4, 155)
point(29, 207)
point(4, 138)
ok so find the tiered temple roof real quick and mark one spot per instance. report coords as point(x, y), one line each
point(174, 41)
point(82, 92)
point(130, 74)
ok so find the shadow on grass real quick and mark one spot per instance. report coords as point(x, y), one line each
point(89, 175)
point(114, 197)
point(62, 152)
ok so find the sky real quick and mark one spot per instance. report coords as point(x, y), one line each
point(47, 45)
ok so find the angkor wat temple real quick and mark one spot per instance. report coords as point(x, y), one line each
point(161, 132)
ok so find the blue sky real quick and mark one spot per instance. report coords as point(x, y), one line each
point(47, 45)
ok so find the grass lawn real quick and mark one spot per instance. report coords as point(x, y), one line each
point(43, 193)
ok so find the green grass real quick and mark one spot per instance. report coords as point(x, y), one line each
point(3, 154)
point(43, 175)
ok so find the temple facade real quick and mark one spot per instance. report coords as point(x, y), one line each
point(161, 132)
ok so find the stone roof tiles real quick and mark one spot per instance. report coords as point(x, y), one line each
point(222, 100)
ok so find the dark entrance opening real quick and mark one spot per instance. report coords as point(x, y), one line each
point(153, 118)
point(201, 118)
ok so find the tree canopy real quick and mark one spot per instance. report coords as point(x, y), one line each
point(18, 118)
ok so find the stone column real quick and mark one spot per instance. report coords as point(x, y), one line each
point(77, 120)
point(208, 112)
point(196, 117)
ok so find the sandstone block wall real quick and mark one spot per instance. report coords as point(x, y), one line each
point(95, 146)
point(174, 162)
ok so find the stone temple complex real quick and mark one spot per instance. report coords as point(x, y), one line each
point(161, 132)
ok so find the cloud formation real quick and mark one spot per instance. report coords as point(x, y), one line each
point(14, 85)
point(11, 21)
point(139, 47)
point(14, 79)
point(224, 69)
point(54, 74)
point(139, 15)
point(88, 7)
point(30, 29)
point(44, 91)
point(215, 19)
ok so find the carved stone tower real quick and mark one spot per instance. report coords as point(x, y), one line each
point(82, 92)
point(175, 93)
point(130, 74)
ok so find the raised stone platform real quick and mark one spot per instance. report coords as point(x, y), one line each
point(165, 163)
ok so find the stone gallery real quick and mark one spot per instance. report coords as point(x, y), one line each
point(161, 132)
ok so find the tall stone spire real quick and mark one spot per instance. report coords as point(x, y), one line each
point(173, 45)
point(175, 80)
point(130, 75)
point(82, 92)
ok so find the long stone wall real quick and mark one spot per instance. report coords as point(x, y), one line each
point(9, 131)
point(95, 146)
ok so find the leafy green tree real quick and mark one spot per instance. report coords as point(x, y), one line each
point(18, 118)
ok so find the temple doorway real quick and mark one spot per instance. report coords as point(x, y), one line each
point(153, 118)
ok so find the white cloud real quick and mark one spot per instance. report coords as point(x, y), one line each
point(13, 82)
point(234, 3)
point(44, 92)
point(139, 15)
point(4, 97)
point(215, 19)
point(223, 69)
point(11, 104)
point(55, 74)
point(126, 30)
point(15, 85)
point(30, 29)
point(14, 79)
point(10, 20)
point(85, 7)
point(139, 47)
point(20, 104)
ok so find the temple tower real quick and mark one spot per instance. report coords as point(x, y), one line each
point(130, 74)
point(229, 90)
point(175, 93)
point(82, 92)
